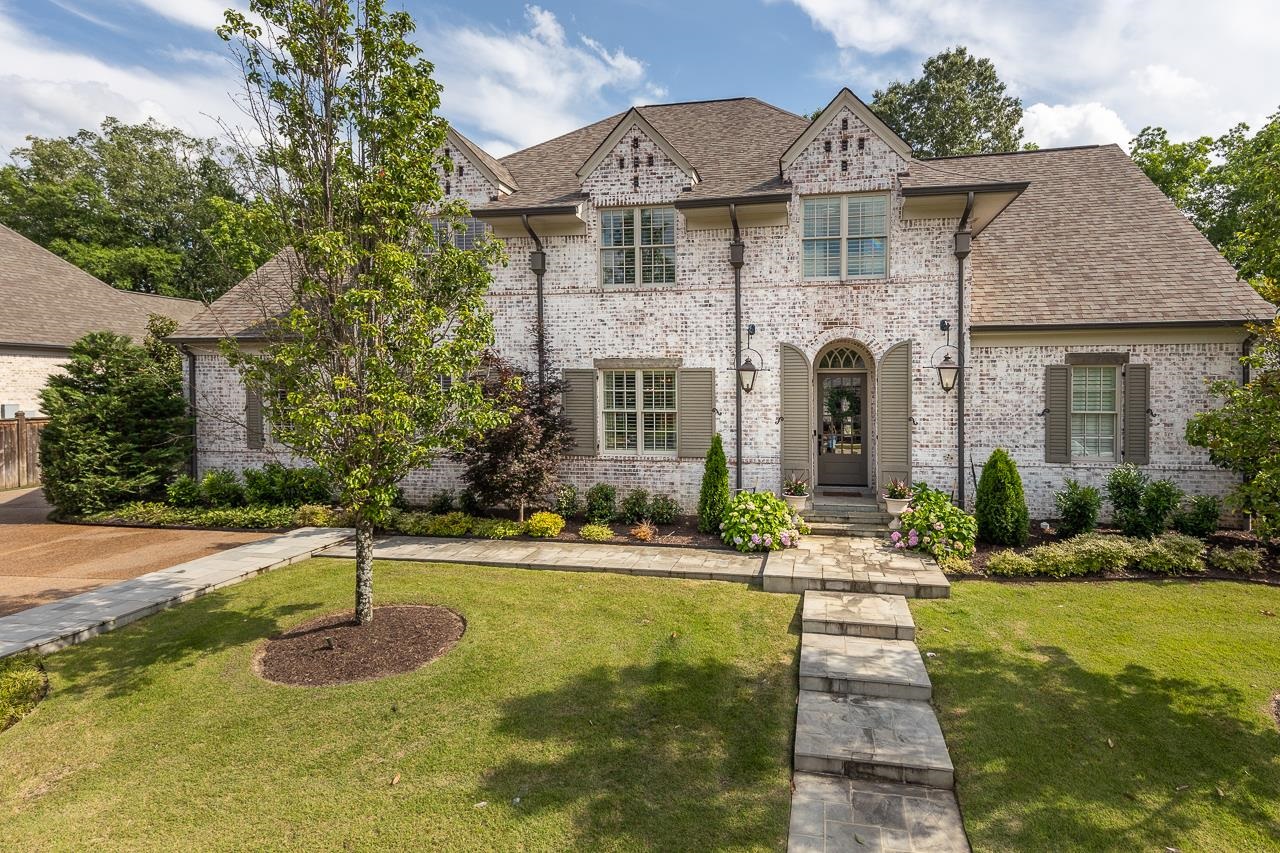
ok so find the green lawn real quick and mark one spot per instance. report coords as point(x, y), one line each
point(584, 710)
point(1110, 716)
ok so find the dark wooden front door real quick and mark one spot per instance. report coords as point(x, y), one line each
point(842, 429)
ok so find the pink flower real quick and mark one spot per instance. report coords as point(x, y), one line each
point(938, 525)
point(768, 540)
point(895, 536)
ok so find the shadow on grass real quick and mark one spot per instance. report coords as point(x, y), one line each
point(128, 659)
point(1089, 760)
point(661, 756)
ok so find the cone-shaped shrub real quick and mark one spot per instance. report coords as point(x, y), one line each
point(713, 500)
point(1001, 506)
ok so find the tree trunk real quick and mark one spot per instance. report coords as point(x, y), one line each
point(520, 512)
point(364, 572)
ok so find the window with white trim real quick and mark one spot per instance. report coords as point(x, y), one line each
point(464, 233)
point(845, 237)
point(1094, 412)
point(631, 255)
point(639, 411)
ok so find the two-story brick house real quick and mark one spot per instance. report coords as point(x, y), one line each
point(670, 246)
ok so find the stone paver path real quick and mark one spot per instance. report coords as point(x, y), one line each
point(75, 619)
point(855, 614)
point(853, 564)
point(646, 560)
point(869, 666)
point(829, 814)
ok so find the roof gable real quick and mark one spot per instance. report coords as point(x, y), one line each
point(634, 119)
point(845, 99)
point(493, 171)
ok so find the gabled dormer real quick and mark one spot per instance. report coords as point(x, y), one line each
point(471, 174)
point(847, 148)
point(635, 164)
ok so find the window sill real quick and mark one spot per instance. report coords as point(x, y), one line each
point(870, 279)
point(647, 456)
point(637, 288)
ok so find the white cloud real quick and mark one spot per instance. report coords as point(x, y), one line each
point(517, 88)
point(1074, 124)
point(49, 89)
point(200, 14)
point(1176, 63)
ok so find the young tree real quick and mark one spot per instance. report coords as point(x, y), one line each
point(516, 464)
point(118, 425)
point(368, 369)
point(1001, 507)
point(713, 498)
point(1243, 435)
point(957, 106)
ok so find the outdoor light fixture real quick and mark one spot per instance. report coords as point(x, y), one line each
point(747, 370)
point(948, 373)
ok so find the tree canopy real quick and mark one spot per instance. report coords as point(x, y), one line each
point(1229, 187)
point(957, 106)
point(140, 206)
point(370, 372)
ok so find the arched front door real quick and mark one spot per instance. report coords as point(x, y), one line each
point(843, 399)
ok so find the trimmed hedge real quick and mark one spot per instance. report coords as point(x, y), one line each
point(1001, 506)
point(1096, 554)
point(1238, 561)
point(150, 512)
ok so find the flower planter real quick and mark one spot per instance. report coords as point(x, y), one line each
point(895, 506)
point(796, 502)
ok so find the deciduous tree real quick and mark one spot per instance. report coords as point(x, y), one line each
point(369, 367)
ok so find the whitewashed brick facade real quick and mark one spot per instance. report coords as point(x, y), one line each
point(23, 373)
point(692, 321)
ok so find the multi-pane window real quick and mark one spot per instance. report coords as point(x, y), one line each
point(1093, 412)
point(464, 233)
point(644, 254)
point(845, 237)
point(639, 409)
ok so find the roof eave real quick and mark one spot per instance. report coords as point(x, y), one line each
point(740, 200)
point(1126, 324)
point(954, 189)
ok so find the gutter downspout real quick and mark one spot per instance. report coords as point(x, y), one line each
point(193, 458)
point(538, 266)
point(737, 255)
point(963, 244)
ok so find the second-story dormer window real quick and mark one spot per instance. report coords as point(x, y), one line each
point(631, 255)
point(846, 237)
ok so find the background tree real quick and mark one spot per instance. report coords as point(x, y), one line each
point(957, 106)
point(136, 205)
point(517, 463)
point(118, 426)
point(1229, 187)
point(369, 370)
point(1243, 435)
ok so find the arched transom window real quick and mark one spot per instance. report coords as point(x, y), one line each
point(842, 358)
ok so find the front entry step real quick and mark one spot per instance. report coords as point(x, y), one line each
point(863, 665)
point(871, 737)
point(857, 615)
point(870, 530)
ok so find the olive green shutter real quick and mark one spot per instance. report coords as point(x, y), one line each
point(579, 405)
point(695, 411)
point(1057, 418)
point(894, 414)
point(254, 432)
point(797, 429)
point(1137, 427)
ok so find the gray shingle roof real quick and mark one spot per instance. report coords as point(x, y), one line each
point(1092, 240)
point(243, 311)
point(479, 155)
point(48, 302)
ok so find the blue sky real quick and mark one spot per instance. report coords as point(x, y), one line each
point(517, 73)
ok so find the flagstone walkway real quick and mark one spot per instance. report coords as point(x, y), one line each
point(72, 620)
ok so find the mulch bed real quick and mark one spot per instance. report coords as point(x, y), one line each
point(333, 649)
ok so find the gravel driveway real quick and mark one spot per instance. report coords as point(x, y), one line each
point(42, 562)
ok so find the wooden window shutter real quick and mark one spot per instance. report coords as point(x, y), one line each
point(695, 411)
point(1137, 425)
point(1057, 420)
point(797, 426)
point(579, 405)
point(893, 388)
point(254, 431)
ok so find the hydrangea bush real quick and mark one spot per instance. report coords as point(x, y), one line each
point(759, 521)
point(933, 524)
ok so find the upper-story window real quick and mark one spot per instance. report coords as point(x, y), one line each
point(846, 237)
point(631, 255)
point(468, 232)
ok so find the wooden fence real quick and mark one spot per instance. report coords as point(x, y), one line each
point(20, 451)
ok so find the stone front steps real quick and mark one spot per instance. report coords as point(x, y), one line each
point(866, 666)
point(846, 564)
point(857, 614)
point(869, 529)
point(872, 769)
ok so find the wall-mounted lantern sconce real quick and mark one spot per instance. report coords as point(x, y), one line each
point(747, 370)
point(948, 369)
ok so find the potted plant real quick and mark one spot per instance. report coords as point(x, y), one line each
point(795, 491)
point(897, 495)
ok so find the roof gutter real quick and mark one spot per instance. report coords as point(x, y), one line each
point(732, 201)
point(506, 212)
point(957, 189)
point(1085, 327)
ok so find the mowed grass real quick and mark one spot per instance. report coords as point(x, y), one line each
point(1110, 716)
point(583, 711)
